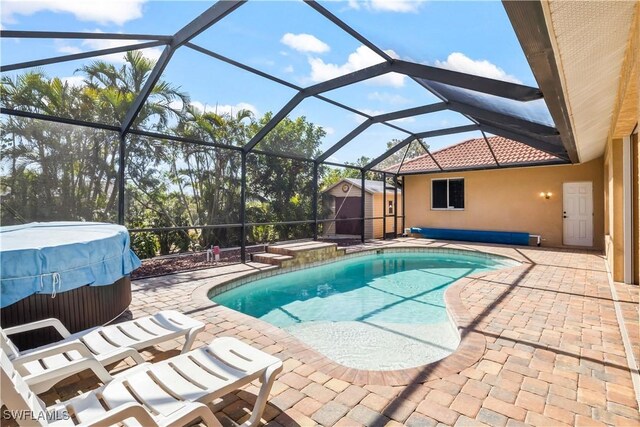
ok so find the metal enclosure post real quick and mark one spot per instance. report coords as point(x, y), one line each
point(314, 202)
point(404, 213)
point(384, 206)
point(243, 204)
point(362, 204)
point(121, 165)
point(395, 206)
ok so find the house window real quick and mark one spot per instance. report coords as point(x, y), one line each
point(447, 193)
point(390, 207)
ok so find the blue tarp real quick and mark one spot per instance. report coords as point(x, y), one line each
point(52, 257)
point(504, 237)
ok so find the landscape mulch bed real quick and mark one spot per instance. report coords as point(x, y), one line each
point(160, 266)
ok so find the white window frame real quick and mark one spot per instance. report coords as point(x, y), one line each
point(464, 195)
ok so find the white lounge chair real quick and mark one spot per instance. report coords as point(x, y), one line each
point(109, 344)
point(28, 410)
point(166, 387)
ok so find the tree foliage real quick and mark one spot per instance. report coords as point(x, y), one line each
point(52, 171)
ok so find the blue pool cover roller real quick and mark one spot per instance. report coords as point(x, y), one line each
point(504, 237)
point(53, 257)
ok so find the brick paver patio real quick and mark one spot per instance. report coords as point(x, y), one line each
point(543, 347)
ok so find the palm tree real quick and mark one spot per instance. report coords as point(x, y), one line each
point(72, 169)
point(212, 175)
point(112, 90)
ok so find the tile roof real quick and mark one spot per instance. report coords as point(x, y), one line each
point(474, 153)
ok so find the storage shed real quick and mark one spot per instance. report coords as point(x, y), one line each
point(343, 200)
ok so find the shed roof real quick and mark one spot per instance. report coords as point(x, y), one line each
point(370, 186)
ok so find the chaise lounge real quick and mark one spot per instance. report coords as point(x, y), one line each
point(44, 366)
point(171, 392)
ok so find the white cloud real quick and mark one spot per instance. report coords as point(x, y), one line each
point(399, 6)
point(75, 81)
point(218, 108)
point(288, 69)
point(460, 62)
point(388, 98)
point(68, 49)
point(101, 11)
point(329, 130)
point(354, 4)
point(363, 57)
point(306, 43)
point(152, 53)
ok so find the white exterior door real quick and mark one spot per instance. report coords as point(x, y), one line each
point(578, 213)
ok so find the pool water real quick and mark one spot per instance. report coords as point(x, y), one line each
point(381, 311)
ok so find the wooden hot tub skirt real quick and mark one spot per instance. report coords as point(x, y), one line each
point(78, 309)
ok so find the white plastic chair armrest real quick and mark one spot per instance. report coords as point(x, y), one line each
point(190, 412)
point(43, 381)
point(52, 350)
point(39, 324)
point(120, 414)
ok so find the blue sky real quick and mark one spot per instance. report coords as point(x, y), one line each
point(288, 39)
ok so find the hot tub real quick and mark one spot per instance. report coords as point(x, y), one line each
point(74, 271)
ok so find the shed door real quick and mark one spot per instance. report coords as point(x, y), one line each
point(577, 201)
point(348, 207)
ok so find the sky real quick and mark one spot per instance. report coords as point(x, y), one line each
point(291, 41)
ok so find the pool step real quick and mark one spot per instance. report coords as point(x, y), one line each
point(300, 253)
point(302, 247)
point(270, 258)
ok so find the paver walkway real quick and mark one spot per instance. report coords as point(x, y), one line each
point(550, 351)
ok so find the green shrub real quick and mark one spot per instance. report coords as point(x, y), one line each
point(144, 244)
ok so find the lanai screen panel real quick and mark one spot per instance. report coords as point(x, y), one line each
point(370, 143)
point(479, 34)
point(57, 172)
point(279, 191)
point(285, 39)
point(213, 101)
point(432, 121)
point(85, 89)
point(383, 94)
point(416, 158)
point(310, 128)
point(187, 195)
point(232, 94)
point(416, 149)
point(525, 121)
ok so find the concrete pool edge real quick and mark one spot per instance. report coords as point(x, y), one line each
point(471, 348)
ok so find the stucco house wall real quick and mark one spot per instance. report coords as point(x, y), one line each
point(509, 200)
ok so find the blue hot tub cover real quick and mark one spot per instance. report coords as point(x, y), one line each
point(52, 257)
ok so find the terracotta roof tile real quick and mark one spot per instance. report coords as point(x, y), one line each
point(475, 153)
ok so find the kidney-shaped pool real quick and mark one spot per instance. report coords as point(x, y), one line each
point(376, 312)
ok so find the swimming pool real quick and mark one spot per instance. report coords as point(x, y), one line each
point(378, 312)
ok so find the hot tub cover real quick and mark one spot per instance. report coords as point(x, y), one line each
point(52, 257)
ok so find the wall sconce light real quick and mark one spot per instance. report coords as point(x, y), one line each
point(546, 195)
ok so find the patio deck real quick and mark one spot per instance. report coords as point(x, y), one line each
point(547, 349)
